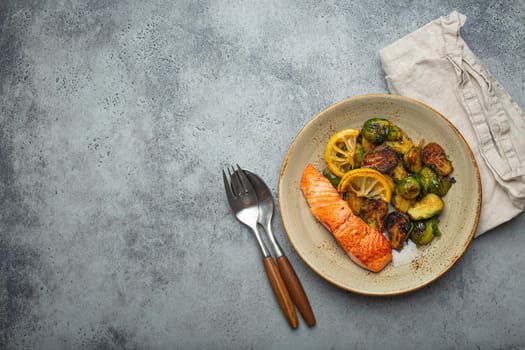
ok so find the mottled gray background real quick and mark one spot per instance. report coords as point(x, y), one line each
point(115, 121)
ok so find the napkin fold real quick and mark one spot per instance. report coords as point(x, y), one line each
point(435, 66)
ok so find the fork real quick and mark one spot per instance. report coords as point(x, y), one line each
point(243, 202)
point(293, 284)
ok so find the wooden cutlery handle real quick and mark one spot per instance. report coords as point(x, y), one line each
point(280, 291)
point(296, 290)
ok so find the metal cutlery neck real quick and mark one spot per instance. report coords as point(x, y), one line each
point(264, 250)
point(275, 245)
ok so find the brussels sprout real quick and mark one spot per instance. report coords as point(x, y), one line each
point(430, 205)
point(434, 224)
point(354, 201)
point(382, 158)
point(433, 183)
point(444, 185)
point(394, 133)
point(398, 172)
point(376, 130)
point(412, 160)
point(401, 203)
point(332, 177)
point(398, 226)
point(422, 233)
point(402, 145)
point(434, 156)
point(373, 211)
point(409, 187)
point(429, 180)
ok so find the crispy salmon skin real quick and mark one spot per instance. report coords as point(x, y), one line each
point(366, 246)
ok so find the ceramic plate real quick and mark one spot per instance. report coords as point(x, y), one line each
point(415, 267)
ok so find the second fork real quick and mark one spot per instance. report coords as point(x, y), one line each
point(243, 201)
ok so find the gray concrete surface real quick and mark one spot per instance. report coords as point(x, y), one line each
point(115, 121)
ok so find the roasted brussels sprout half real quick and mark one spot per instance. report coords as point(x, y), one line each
point(394, 133)
point(354, 201)
point(398, 172)
point(433, 183)
point(422, 234)
point(332, 177)
point(379, 130)
point(444, 185)
point(434, 156)
point(434, 224)
point(401, 203)
point(425, 232)
point(430, 205)
point(382, 158)
point(373, 211)
point(401, 146)
point(409, 187)
point(398, 226)
point(412, 160)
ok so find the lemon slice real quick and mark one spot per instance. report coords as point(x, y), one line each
point(339, 151)
point(367, 183)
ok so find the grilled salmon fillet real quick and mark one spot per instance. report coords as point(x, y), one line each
point(366, 246)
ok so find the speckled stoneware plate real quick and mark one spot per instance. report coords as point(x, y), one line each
point(409, 270)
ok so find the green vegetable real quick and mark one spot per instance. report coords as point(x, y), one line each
point(412, 160)
point(398, 226)
point(434, 224)
point(332, 177)
point(394, 133)
point(444, 185)
point(429, 180)
point(422, 234)
point(376, 130)
point(434, 156)
point(433, 183)
point(401, 203)
point(429, 206)
point(409, 187)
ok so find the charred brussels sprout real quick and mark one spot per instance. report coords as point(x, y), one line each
point(401, 203)
point(394, 133)
point(444, 185)
point(379, 130)
point(398, 227)
point(332, 177)
point(425, 232)
point(398, 172)
point(434, 156)
point(373, 212)
point(412, 160)
point(382, 158)
point(434, 224)
point(409, 187)
point(422, 233)
point(355, 202)
point(429, 180)
point(433, 183)
point(403, 145)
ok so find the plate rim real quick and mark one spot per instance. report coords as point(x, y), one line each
point(467, 242)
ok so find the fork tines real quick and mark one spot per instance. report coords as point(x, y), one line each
point(237, 181)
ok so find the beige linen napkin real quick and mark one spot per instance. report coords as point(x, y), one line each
point(434, 65)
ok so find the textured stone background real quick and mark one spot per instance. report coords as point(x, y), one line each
point(115, 121)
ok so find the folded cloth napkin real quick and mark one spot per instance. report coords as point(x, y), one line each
point(435, 66)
